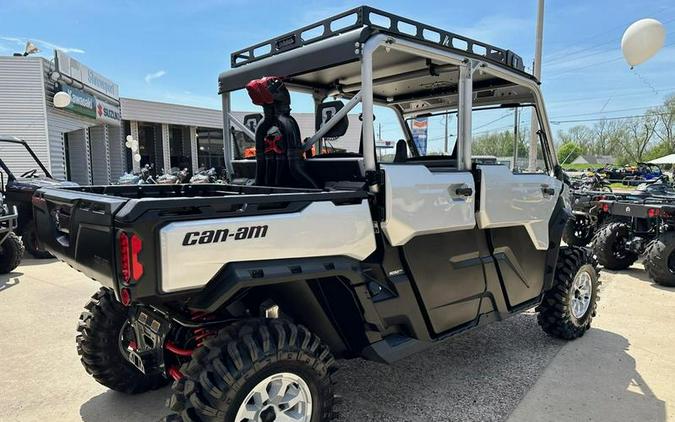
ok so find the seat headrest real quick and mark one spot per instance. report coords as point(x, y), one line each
point(324, 112)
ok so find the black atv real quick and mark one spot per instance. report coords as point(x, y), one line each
point(18, 191)
point(646, 229)
point(11, 247)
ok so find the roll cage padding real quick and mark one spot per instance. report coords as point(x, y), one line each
point(279, 154)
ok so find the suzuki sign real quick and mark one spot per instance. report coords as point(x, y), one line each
point(108, 113)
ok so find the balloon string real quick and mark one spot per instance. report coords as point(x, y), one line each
point(644, 80)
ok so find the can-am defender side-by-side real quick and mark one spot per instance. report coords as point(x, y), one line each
point(19, 188)
point(11, 247)
point(244, 294)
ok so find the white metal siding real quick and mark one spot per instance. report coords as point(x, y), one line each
point(117, 152)
point(100, 155)
point(22, 111)
point(79, 156)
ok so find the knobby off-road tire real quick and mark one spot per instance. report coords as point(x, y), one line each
point(660, 259)
point(98, 344)
point(29, 237)
point(578, 231)
point(230, 365)
point(557, 315)
point(608, 246)
point(11, 251)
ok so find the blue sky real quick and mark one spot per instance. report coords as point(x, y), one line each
point(172, 51)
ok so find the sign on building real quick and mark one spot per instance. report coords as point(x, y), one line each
point(108, 113)
point(72, 68)
point(80, 102)
point(419, 133)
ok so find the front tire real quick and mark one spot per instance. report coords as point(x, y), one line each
point(609, 246)
point(11, 251)
point(660, 259)
point(568, 308)
point(98, 344)
point(254, 370)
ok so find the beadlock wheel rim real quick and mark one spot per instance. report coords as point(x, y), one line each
point(580, 294)
point(283, 397)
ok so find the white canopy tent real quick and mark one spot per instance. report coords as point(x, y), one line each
point(666, 159)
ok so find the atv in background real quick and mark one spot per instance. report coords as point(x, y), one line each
point(18, 190)
point(173, 176)
point(647, 228)
point(587, 217)
point(207, 176)
point(144, 177)
point(11, 247)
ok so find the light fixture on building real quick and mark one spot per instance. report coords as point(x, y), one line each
point(30, 49)
point(62, 99)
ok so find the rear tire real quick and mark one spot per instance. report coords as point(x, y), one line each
point(608, 246)
point(229, 367)
point(660, 259)
point(11, 252)
point(568, 308)
point(30, 240)
point(578, 231)
point(98, 344)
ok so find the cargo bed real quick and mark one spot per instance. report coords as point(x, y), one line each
point(81, 225)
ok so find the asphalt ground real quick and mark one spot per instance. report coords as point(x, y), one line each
point(622, 369)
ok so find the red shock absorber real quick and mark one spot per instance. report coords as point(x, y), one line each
point(200, 333)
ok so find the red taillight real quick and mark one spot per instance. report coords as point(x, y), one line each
point(605, 207)
point(125, 296)
point(125, 257)
point(653, 212)
point(136, 266)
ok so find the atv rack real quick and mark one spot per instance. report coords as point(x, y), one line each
point(377, 21)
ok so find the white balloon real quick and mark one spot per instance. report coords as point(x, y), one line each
point(134, 145)
point(130, 138)
point(642, 40)
point(127, 144)
point(62, 99)
point(137, 158)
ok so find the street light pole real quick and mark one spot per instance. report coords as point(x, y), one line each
point(534, 123)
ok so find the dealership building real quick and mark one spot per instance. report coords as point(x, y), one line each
point(84, 141)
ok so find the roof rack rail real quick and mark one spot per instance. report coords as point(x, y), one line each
point(377, 21)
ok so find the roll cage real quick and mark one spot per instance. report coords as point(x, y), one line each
point(17, 141)
point(369, 56)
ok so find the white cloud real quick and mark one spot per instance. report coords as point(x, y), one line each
point(155, 75)
point(42, 44)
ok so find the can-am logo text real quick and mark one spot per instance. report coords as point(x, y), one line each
point(222, 235)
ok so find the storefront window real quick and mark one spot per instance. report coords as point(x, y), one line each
point(150, 145)
point(179, 142)
point(210, 147)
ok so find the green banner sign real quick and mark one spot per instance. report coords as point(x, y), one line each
point(81, 102)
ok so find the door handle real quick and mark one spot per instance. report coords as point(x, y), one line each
point(464, 191)
point(547, 190)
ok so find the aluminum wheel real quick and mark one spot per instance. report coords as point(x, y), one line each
point(283, 397)
point(580, 294)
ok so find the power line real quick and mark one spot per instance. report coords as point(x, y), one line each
point(557, 122)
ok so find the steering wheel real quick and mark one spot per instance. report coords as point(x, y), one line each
point(29, 173)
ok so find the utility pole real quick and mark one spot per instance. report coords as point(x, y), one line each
point(516, 122)
point(446, 134)
point(534, 123)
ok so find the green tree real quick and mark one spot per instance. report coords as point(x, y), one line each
point(568, 152)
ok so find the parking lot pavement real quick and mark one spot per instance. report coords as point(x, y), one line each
point(621, 370)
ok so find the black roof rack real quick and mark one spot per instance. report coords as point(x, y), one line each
point(378, 21)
